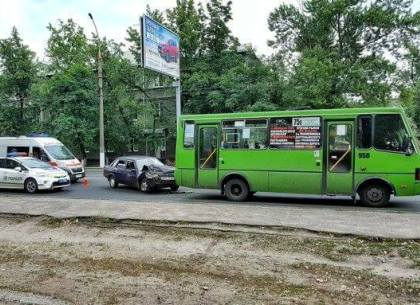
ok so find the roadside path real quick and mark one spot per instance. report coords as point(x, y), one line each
point(351, 220)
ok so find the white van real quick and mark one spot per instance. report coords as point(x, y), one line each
point(44, 148)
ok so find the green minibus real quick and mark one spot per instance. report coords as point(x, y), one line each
point(370, 152)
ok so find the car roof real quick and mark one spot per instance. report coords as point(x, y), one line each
point(135, 157)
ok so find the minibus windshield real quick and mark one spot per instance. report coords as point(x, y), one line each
point(59, 152)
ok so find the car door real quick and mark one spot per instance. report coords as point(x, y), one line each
point(119, 171)
point(3, 176)
point(130, 173)
point(12, 177)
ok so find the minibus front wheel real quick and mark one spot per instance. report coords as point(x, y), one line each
point(375, 195)
point(236, 190)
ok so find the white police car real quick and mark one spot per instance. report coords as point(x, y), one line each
point(31, 175)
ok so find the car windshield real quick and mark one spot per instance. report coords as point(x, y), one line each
point(35, 163)
point(148, 161)
point(59, 152)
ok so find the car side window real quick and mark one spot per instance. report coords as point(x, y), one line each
point(121, 164)
point(130, 165)
point(11, 164)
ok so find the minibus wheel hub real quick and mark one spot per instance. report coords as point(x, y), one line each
point(236, 189)
point(375, 194)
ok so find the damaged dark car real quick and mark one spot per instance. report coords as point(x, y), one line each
point(148, 174)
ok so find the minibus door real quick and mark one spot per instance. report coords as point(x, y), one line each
point(207, 156)
point(339, 158)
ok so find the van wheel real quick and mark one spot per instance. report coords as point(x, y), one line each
point(236, 190)
point(112, 182)
point(31, 186)
point(375, 195)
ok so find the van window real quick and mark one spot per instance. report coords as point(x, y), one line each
point(390, 132)
point(59, 152)
point(39, 153)
point(364, 132)
point(19, 150)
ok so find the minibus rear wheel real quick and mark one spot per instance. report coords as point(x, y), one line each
point(375, 195)
point(236, 190)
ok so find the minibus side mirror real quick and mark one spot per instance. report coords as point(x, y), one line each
point(407, 146)
point(18, 168)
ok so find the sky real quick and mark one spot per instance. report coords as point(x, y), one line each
point(113, 17)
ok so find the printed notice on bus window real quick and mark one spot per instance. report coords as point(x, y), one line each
point(246, 133)
point(189, 131)
point(296, 133)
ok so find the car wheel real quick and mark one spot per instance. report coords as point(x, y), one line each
point(31, 186)
point(112, 182)
point(375, 195)
point(236, 190)
point(145, 186)
point(174, 188)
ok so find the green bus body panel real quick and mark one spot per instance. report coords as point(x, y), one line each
point(300, 171)
point(403, 184)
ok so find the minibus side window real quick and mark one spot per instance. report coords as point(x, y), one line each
point(390, 132)
point(295, 133)
point(189, 129)
point(244, 134)
point(364, 132)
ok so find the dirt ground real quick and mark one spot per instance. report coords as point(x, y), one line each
point(83, 261)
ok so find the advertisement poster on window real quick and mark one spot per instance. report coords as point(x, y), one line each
point(296, 133)
point(161, 51)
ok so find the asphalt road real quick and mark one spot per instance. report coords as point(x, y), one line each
point(99, 189)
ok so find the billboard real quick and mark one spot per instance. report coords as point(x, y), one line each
point(161, 51)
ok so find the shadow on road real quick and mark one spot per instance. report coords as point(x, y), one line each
point(291, 200)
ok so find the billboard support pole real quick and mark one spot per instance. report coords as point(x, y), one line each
point(177, 85)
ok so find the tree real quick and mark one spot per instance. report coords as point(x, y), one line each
point(185, 20)
point(346, 41)
point(69, 94)
point(18, 70)
point(216, 35)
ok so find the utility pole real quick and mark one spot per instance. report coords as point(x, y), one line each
point(101, 100)
point(177, 85)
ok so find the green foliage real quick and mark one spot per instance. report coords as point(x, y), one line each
point(328, 54)
point(341, 50)
point(18, 69)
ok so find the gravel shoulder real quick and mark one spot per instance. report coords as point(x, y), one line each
point(46, 260)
